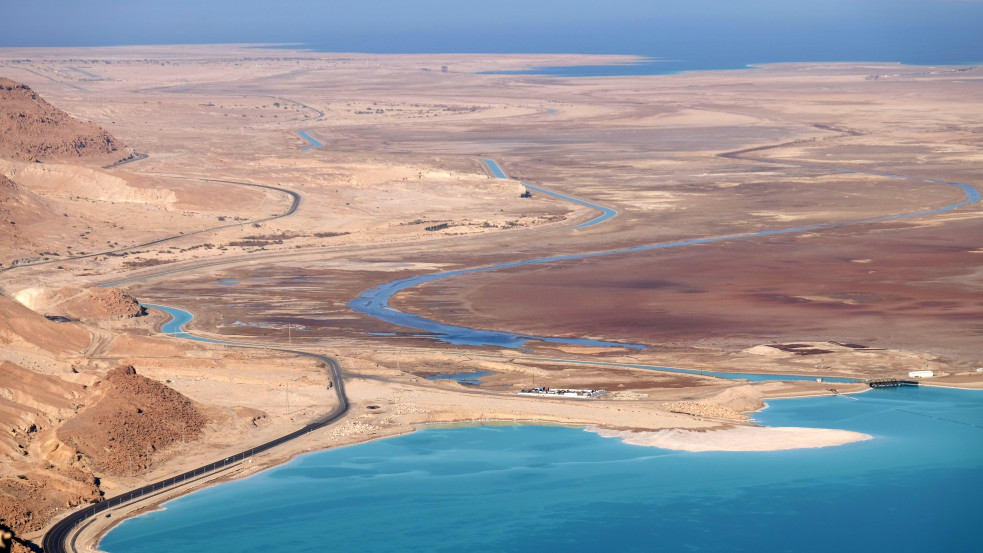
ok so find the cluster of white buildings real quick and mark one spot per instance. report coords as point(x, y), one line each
point(562, 392)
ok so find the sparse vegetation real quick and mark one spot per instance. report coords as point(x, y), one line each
point(140, 263)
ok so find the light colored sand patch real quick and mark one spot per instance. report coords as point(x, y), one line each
point(829, 299)
point(359, 265)
point(586, 350)
point(740, 438)
point(768, 351)
point(776, 216)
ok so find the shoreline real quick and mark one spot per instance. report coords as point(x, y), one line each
point(729, 436)
point(497, 401)
point(93, 533)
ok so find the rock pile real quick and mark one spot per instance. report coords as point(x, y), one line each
point(31, 129)
point(134, 419)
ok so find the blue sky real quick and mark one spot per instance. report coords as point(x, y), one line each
point(803, 28)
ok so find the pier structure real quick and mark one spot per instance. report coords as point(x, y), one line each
point(890, 383)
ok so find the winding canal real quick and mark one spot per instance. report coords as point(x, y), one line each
point(375, 301)
point(606, 212)
point(315, 143)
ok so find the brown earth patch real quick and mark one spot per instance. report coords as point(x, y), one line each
point(921, 284)
point(133, 420)
point(39, 476)
point(101, 304)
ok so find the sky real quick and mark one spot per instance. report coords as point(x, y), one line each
point(803, 28)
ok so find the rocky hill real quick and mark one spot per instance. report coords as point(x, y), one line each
point(81, 304)
point(134, 419)
point(63, 427)
point(40, 476)
point(31, 129)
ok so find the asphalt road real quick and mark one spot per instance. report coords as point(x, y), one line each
point(61, 537)
point(290, 211)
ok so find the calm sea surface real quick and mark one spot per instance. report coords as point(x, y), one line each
point(708, 35)
point(917, 486)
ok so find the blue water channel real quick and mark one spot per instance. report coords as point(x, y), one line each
point(375, 301)
point(315, 143)
point(179, 317)
point(175, 326)
point(606, 212)
point(914, 487)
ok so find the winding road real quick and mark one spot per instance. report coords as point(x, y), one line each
point(62, 536)
point(294, 204)
point(374, 303)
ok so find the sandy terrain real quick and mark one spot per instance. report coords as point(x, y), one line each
point(398, 189)
point(739, 439)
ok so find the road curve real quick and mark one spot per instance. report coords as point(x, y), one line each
point(294, 204)
point(61, 537)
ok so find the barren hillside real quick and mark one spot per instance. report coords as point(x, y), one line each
point(31, 404)
point(62, 425)
point(31, 129)
point(17, 207)
point(82, 304)
point(23, 329)
point(134, 418)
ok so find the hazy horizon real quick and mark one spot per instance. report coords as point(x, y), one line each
point(909, 31)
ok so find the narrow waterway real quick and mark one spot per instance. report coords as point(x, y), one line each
point(179, 318)
point(606, 212)
point(375, 301)
point(315, 143)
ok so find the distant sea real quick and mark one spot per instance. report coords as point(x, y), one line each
point(895, 31)
point(915, 487)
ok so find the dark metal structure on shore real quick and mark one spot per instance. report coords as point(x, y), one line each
point(890, 383)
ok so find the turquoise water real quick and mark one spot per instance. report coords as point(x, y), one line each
point(915, 487)
point(175, 326)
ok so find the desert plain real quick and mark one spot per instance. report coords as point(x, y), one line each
point(222, 209)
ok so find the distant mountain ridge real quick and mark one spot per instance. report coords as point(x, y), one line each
point(31, 129)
